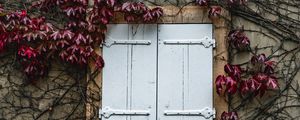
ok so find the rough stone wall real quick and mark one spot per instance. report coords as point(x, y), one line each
point(284, 103)
point(58, 96)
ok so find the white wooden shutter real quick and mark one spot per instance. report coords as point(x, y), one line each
point(184, 71)
point(129, 75)
point(158, 74)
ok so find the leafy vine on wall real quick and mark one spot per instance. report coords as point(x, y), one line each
point(36, 33)
point(265, 84)
point(262, 74)
point(47, 46)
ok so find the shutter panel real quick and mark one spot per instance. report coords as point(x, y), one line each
point(184, 71)
point(129, 76)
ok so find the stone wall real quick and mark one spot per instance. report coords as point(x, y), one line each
point(61, 96)
point(58, 96)
point(281, 48)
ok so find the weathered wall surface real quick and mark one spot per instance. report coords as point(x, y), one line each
point(283, 48)
point(61, 96)
point(58, 96)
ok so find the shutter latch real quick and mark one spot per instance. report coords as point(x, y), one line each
point(107, 112)
point(206, 42)
point(206, 112)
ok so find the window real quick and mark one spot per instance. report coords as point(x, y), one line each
point(158, 72)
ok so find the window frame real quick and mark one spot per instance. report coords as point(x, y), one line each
point(186, 15)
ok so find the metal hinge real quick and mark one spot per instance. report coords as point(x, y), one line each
point(206, 112)
point(107, 112)
point(109, 43)
point(206, 42)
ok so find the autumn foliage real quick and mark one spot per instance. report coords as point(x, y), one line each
point(37, 41)
point(255, 79)
point(262, 78)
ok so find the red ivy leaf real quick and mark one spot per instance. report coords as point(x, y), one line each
point(220, 81)
point(62, 43)
point(56, 35)
point(231, 85)
point(157, 12)
point(253, 85)
point(80, 10)
point(27, 52)
point(261, 77)
point(67, 34)
point(228, 68)
point(99, 62)
point(261, 58)
point(272, 82)
point(2, 45)
point(238, 39)
point(79, 38)
point(25, 21)
point(70, 11)
point(47, 27)
point(111, 2)
point(127, 6)
point(105, 12)
point(63, 55)
point(148, 16)
point(269, 70)
point(214, 11)
point(233, 70)
point(23, 13)
point(202, 2)
point(72, 58)
point(229, 116)
point(244, 88)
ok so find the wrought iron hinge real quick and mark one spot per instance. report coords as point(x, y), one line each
point(107, 112)
point(109, 43)
point(206, 42)
point(206, 112)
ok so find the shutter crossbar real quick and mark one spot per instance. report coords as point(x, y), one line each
point(206, 42)
point(107, 112)
point(206, 112)
point(109, 43)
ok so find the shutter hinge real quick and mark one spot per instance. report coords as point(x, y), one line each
point(109, 43)
point(205, 112)
point(206, 42)
point(107, 112)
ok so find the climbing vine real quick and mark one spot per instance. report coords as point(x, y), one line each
point(264, 86)
point(51, 44)
point(37, 41)
point(70, 34)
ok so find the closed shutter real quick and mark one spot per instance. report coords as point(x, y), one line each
point(185, 71)
point(129, 77)
point(158, 72)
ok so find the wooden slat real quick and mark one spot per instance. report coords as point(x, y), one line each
point(144, 70)
point(170, 76)
point(116, 77)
